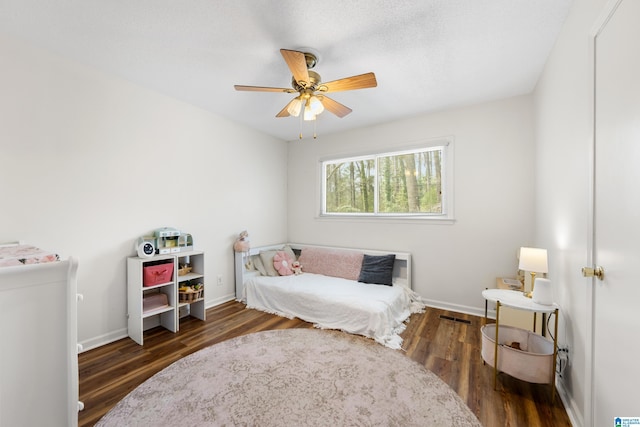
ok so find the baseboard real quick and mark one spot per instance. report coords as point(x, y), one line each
point(458, 308)
point(569, 405)
point(220, 300)
point(101, 340)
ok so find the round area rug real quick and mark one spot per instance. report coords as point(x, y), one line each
point(293, 377)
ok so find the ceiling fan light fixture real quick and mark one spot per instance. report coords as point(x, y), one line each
point(295, 107)
point(308, 113)
point(316, 105)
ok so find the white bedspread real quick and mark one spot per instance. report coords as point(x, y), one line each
point(375, 311)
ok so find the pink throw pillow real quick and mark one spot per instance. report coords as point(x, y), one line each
point(282, 263)
point(343, 263)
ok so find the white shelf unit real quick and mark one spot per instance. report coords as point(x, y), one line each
point(137, 319)
point(168, 316)
point(196, 261)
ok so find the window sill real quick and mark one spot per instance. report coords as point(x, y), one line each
point(430, 220)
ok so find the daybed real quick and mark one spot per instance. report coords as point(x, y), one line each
point(332, 290)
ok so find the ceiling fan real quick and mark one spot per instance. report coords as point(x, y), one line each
point(311, 99)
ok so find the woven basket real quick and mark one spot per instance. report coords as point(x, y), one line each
point(184, 270)
point(190, 296)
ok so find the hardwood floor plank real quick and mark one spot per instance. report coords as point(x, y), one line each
point(449, 348)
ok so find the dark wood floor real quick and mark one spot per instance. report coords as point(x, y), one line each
point(449, 346)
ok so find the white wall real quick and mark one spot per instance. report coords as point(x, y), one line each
point(90, 162)
point(563, 144)
point(494, 191)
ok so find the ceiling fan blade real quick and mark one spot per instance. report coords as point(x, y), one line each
point(263, 89)
point(361, 81)
point(297, 64)
point(335, 107)
point(285, 111)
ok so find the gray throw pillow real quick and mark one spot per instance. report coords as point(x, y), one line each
point(377, 269)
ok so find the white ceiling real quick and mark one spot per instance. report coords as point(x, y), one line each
point(427, 55)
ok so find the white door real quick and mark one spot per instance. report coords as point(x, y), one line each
point(616, 238)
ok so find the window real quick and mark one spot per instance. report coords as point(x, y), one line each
point(409, 183)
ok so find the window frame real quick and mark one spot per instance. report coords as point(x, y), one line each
point(446, 175)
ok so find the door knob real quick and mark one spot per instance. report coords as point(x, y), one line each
point(590, 272)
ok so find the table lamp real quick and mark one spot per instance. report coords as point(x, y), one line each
point(533, 260)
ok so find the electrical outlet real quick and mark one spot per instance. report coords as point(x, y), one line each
point(219, 280)
point(562, 360)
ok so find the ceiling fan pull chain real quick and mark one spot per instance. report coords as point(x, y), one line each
point(314, 128)
point(301, 121)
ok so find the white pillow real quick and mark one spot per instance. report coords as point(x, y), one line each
point(290, 252)
point(267, 262)
point(257, 263)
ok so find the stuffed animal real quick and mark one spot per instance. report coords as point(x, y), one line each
point(242, 242)
point(296, 267)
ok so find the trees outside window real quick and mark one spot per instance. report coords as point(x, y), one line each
point(350, 186)
point(406, 183)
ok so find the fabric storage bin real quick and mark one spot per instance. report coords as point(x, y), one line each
point(157, 273)
point(154, 301)
point(533, 362)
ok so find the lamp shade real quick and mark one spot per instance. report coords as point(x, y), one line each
point(533, 259)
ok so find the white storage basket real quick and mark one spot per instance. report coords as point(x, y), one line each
point(532, 363)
